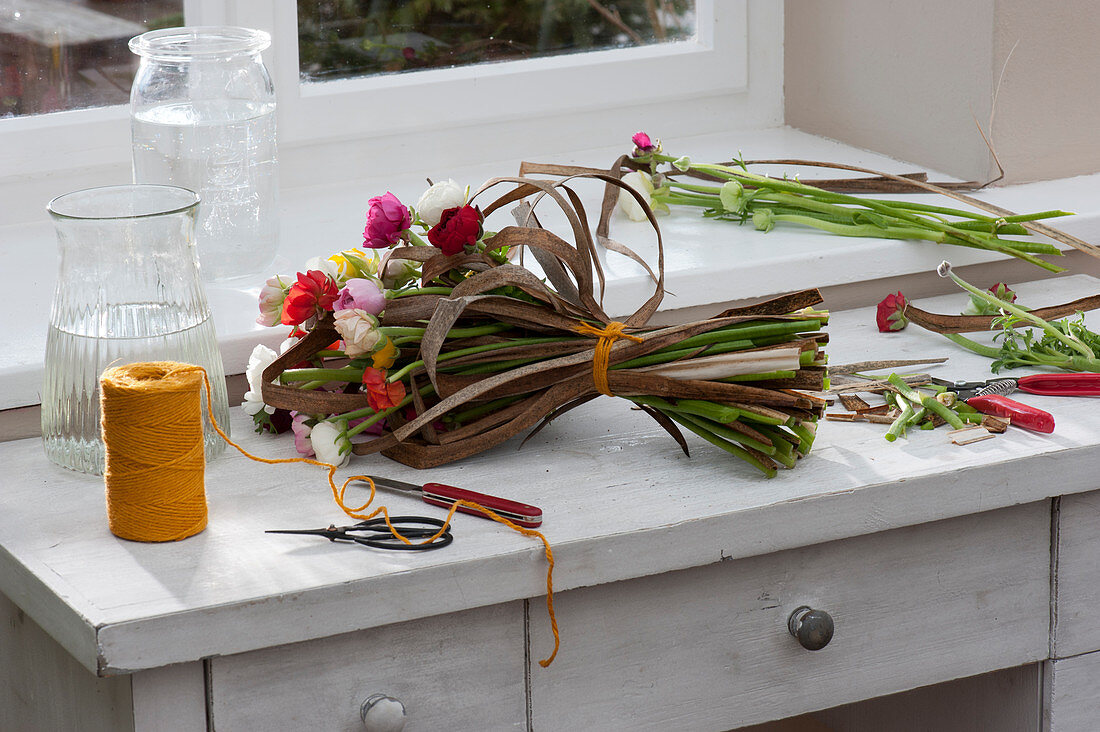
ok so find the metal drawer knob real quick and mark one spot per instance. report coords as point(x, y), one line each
point(382, 713)
point(812, 628)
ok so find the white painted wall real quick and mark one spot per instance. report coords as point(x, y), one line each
point(910, 79)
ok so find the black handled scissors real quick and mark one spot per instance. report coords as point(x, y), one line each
point(375, 533)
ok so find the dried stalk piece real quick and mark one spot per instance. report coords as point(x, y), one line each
point(969, 434)
point(853, 403)
point(995, 424)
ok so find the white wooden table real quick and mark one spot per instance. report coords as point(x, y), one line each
point(675, 578)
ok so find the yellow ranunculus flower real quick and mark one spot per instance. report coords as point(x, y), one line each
point(384, 357)
point(352, 263)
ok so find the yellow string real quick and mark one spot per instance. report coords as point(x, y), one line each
point(601, 358)
point(152, 429)
point(356, 512)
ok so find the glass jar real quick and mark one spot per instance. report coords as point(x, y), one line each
point(127, 290)
point(202, 111)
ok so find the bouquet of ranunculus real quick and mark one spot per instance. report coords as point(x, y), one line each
point(441, 347)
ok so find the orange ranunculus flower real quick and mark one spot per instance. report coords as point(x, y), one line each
point(381, 394)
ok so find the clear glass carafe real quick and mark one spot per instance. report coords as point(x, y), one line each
point(202, 111)
point(128, 289)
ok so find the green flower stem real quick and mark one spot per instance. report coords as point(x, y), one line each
point(927, 402)
point(420, 291)
point(491, 406)
point(472, 332)
point(897, 428)
point(1029, 247)
point(862, 230)
point(348, 373)
point(889, 209)
point(784, 448)
point(806, 434)
point(714, 412)
point(404, 371)
point(978, 348)
point(415, 239)
point(991, 227)
point(664, 355)
point(972, 417)
point(694, 187)
point(949, 415)
point(751, 330)
point(1071, 341)
point(729, 447)
point(732, 435)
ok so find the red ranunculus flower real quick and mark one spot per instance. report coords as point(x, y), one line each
point(891, 313)
point(311, 295)
point(380, 394)
point(457, 228)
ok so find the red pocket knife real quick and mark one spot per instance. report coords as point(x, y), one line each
point(440, 494)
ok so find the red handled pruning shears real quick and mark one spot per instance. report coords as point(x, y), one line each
point(439, 494)
point(988, 397)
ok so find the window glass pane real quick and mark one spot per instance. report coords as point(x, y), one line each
point(340, 38)
point(69, 54)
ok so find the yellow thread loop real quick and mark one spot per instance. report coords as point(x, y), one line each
point(357, 511)
point(601, 358)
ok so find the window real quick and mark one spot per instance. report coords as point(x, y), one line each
point(57, 55)
point(696, 49)
point(341, 38)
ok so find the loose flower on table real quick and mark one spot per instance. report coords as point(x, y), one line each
point(891, 313)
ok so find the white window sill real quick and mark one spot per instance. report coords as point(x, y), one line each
point(705, 262)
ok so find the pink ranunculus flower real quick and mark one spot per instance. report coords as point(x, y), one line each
point(272, 295)
point(643, 142)
point(387, 218)
point(362, 294)
point(359, 329)
point(301, 434)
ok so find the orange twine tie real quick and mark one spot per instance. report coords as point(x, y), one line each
point(161, 378)
point(601, 358)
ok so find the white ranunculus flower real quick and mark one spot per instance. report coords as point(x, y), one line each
point(396, 273)
point(330, 268)
point(326, 439)
point(641, 183)
point(438, 198)
point(359, 329)
point(261, 358)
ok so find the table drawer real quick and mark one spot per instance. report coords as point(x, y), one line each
point(708, 648)
point(460, 671)
point(1077, 584)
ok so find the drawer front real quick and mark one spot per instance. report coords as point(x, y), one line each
point(1077, 586)
point(708, 648)
point(459, 671)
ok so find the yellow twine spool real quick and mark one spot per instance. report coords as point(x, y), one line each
point(151, 420)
